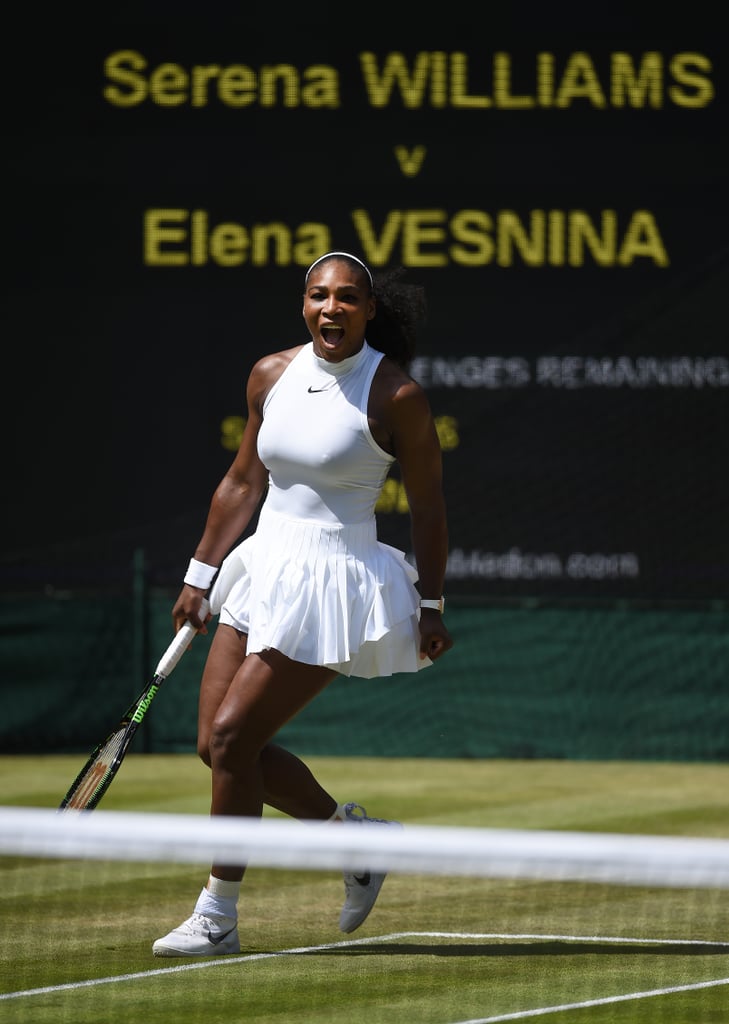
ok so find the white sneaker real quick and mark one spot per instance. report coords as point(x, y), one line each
point(200, 935)
point(360, 890)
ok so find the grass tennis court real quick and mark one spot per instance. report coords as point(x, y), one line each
point(76, 937)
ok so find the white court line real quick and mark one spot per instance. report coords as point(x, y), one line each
point(347, 943)
point(543, 1010)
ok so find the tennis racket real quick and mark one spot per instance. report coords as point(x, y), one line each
point(105, 759)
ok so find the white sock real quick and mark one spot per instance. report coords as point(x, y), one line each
point(219, 897)
point(226, 890)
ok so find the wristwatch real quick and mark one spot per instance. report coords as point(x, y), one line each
point(437, 604)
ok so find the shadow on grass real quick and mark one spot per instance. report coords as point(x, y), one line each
point(531, 949)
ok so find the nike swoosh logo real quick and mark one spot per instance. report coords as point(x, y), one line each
point(313, 391)
point(215, 939)
point(362, 880)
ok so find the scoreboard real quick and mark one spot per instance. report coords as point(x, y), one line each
point(562, 197)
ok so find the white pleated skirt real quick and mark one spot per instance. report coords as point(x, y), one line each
point(323, 595)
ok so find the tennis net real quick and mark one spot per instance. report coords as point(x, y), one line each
point(664, 861)
point(473, 925)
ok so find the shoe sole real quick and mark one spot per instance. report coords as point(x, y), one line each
point(225, 947)
point(213, 951)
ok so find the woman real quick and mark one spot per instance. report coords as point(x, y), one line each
point(313, 594)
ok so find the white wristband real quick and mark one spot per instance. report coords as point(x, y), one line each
point(199, 574)
point(438, 604)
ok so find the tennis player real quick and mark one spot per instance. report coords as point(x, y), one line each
point(312, 593)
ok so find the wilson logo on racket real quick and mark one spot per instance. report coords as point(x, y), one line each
point(144, 704)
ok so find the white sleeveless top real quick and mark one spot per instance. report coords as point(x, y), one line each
point(324, 464)
point(313, 581)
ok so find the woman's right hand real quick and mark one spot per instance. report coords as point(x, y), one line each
point(187, 609)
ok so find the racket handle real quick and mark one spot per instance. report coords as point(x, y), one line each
point(183, 639)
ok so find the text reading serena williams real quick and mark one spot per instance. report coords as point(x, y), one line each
point(607, 236)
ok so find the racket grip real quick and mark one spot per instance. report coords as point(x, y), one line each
point(183, 639)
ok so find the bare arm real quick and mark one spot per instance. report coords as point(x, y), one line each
point(237, 496)
point(418, 452)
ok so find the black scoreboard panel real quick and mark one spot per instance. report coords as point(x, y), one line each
point(561, 196)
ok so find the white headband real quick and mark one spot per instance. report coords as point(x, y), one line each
point(347, 255)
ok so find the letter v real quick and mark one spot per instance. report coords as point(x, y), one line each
point(410, 160)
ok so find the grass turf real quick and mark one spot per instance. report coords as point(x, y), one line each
point(435, 949)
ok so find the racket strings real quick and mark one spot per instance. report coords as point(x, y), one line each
point(91, 784)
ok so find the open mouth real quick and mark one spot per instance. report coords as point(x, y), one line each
point(332, 335)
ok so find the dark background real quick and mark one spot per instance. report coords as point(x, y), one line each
point(119, 376)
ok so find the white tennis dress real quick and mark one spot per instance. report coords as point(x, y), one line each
point(313, 581)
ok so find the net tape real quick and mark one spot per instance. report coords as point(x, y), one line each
point(662, 861)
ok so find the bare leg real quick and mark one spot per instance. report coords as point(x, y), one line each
point(238, 719)
point(244, 701)
point(290, 787)
point(226, 655)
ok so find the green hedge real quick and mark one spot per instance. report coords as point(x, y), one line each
point(521, 682)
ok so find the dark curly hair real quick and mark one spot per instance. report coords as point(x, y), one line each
point(401, 308)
